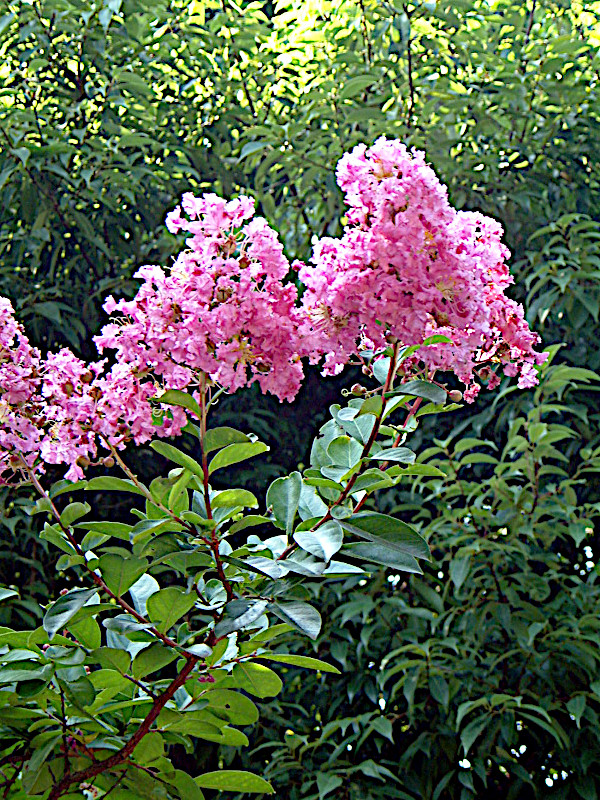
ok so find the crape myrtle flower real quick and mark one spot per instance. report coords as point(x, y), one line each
point(223, 310)
point(410, 266)
point(407, 267)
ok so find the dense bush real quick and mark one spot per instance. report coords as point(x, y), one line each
point(482, 676)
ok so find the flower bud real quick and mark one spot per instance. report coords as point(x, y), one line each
point(87, 377)
point(83, 462)
point(68, 388)
point(358, 390)
point(221, 295)
point(108, 461)
point(229, 246)
point(455, 396)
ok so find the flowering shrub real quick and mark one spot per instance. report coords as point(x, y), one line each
point(412, 288)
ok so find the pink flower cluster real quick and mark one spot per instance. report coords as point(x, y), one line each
point(20, 433)
point(221, 314)
point(222, 310)
point(410, 266)
point(407, 267)
point(55, 410)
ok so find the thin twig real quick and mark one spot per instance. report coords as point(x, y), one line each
point(96, 578)
point(409, 64)
point(365, 452)
point(139, 485)
point(63, 725)
point(214, 538)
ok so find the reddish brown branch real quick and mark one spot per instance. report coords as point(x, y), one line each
point(365, 452)
point(125, 752)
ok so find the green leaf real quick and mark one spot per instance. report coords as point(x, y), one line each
point(60, 612)
point(257, 679)
point(38, 758)
point(167, 606)
point(372, 405)
point(388, 531)
point(92, 540)
point(234, 453)
point(234, 497)
point(123, 623)
point(251, 521)
point(472, 731)
point(87, 632)
point(178, 457)
point(459, 569)
point(151, 659)
point(232, 706)
point(112, 659)
point(73, 512)
point(381, 554)
point(372, 479)
point(229, 780)
point(438, 686)
point(424, 389)
point(26, 671)
point(80, 691)
point(119, 530)
point(301, 615)
point(401, 454)
point(327, 782)
point(300, 661)
point(113, 484)
point(283, 496)
point(175, 397)
point(345, 452)
point(150, 748)
point(323, 543)
point(576, 707)
point(355, 85)
point(185, 786)
point(120, 573)
point(216, 438)
point(239, 614)
point(424, 470)
point(252, 147)
point(381, 368)
point(201, 650)
point(43, 505)
point(442, 785)
point(5, 594)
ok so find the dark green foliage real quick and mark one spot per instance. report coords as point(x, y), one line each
point(481, 677)
point(111, 112)
point(191, 591)
point(104, 126)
